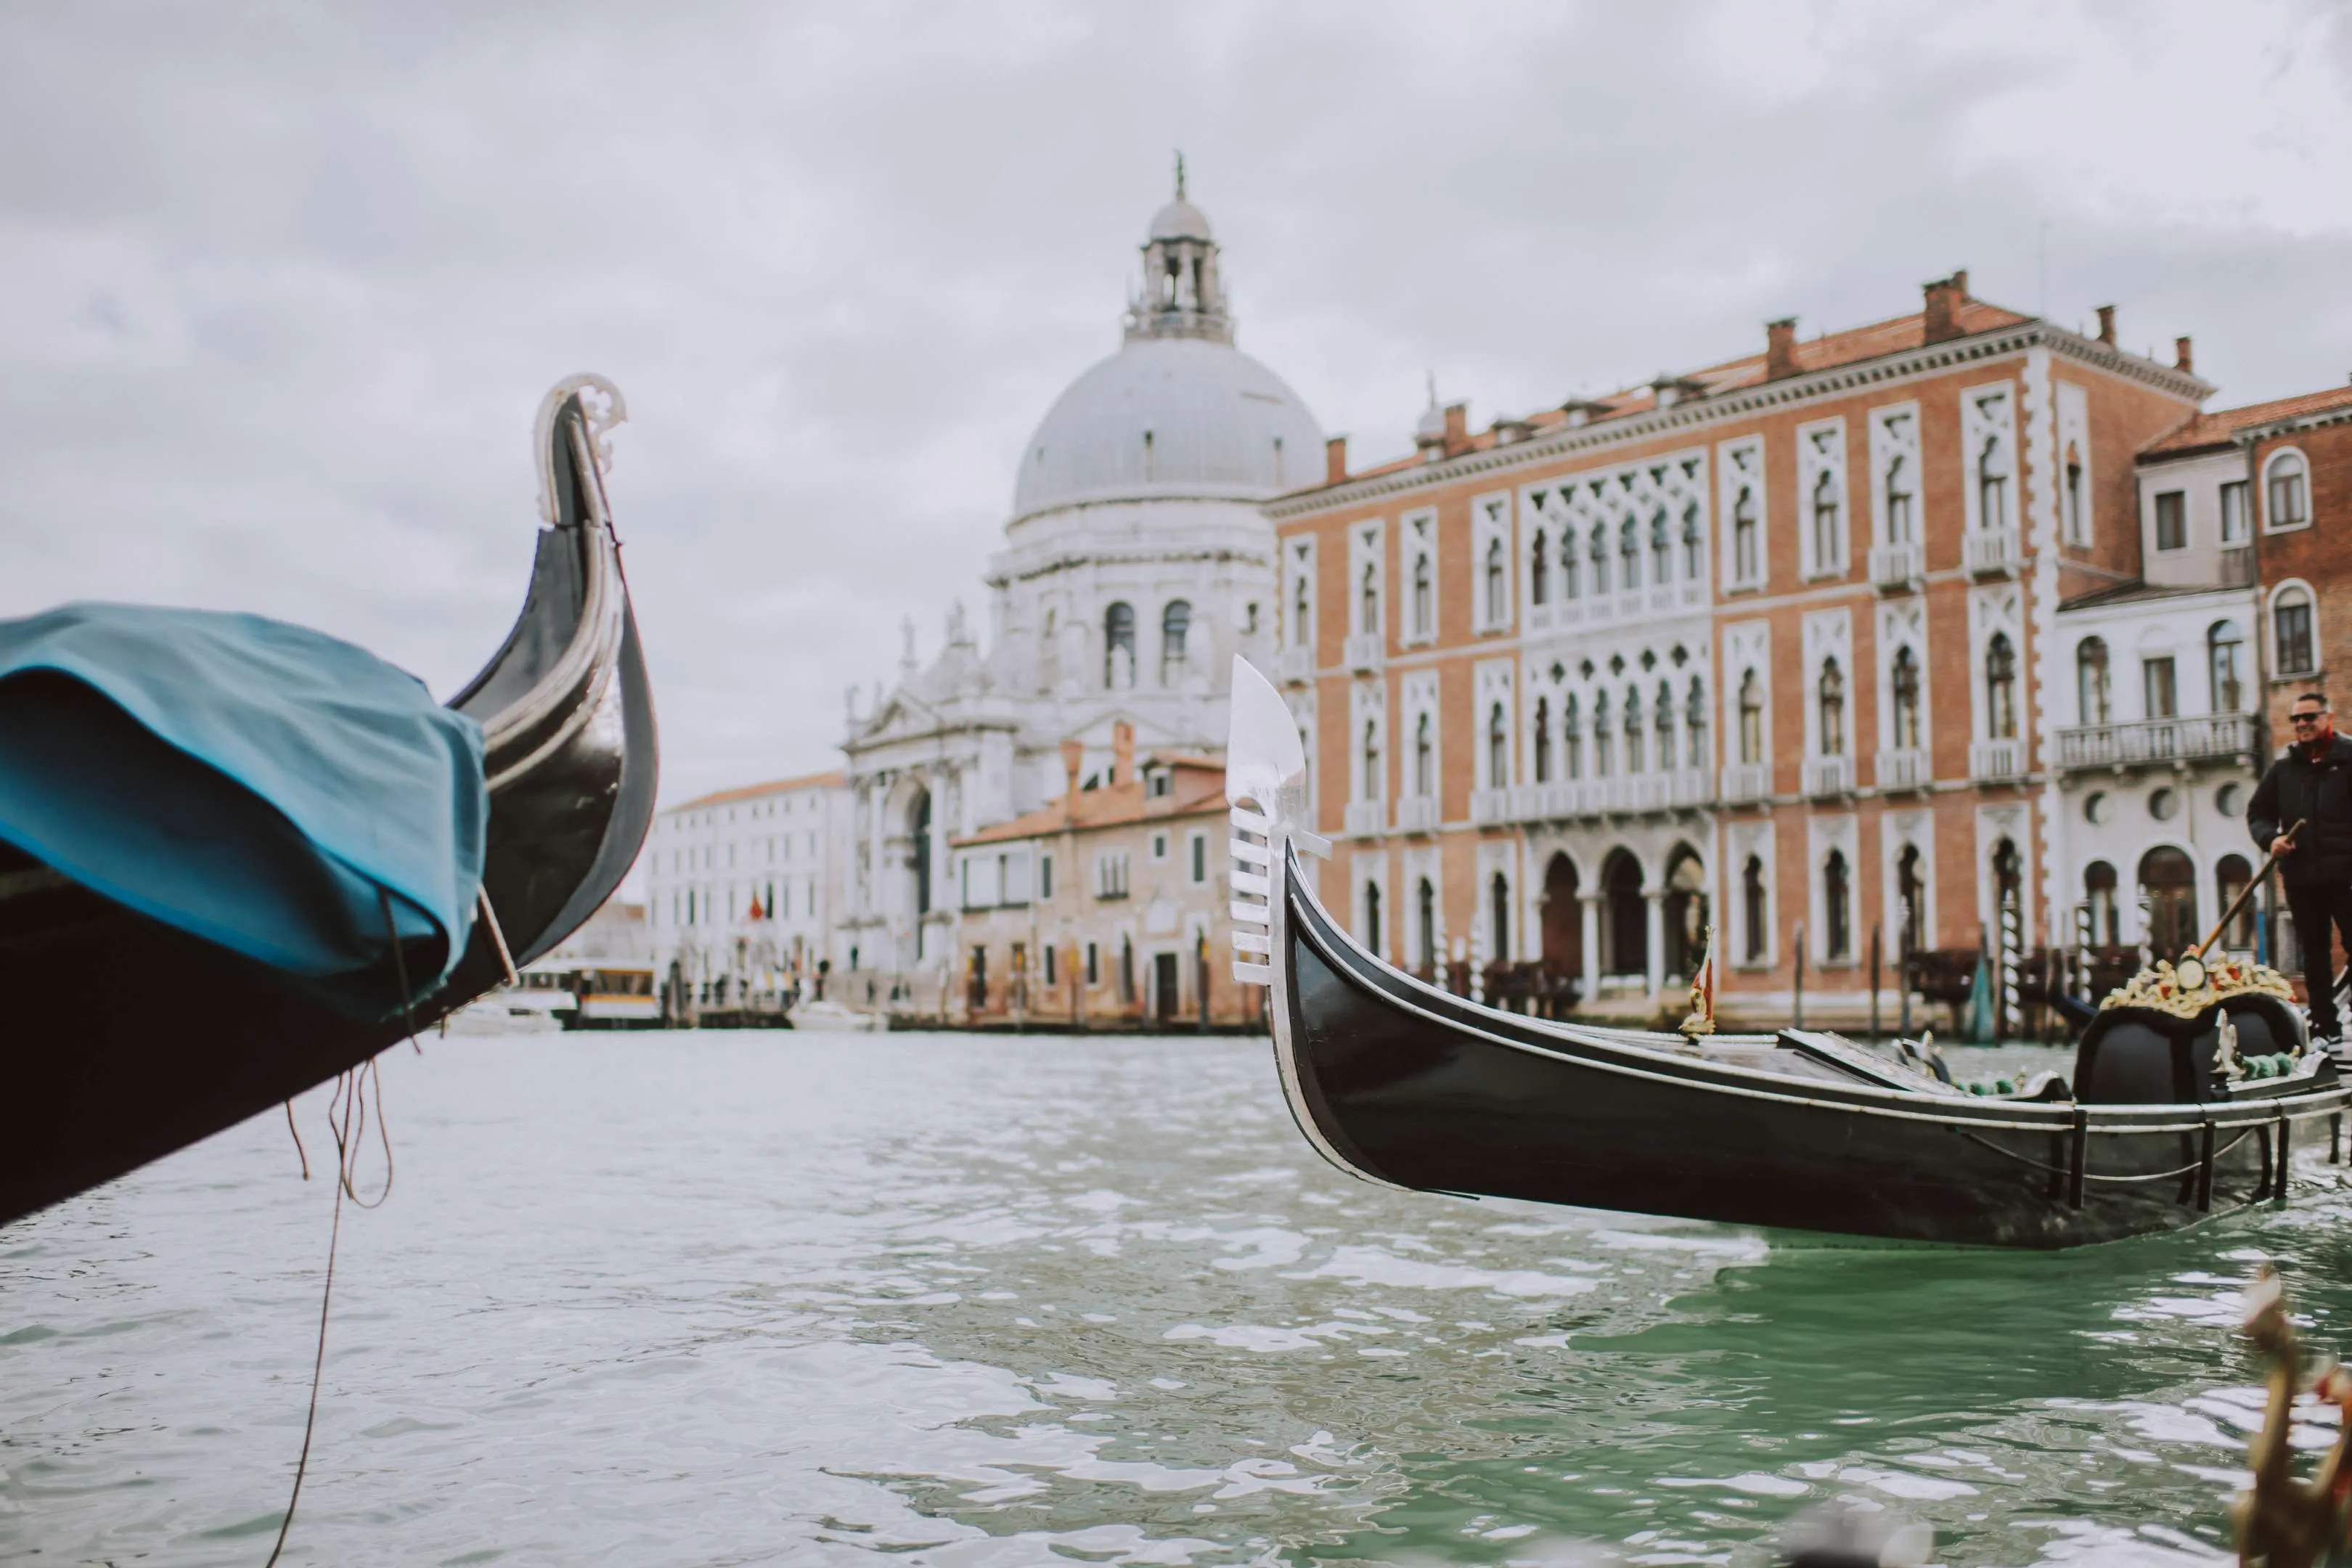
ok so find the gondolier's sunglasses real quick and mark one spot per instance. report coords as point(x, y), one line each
point(2310, 718)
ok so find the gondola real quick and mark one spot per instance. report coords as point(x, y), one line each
point(2190, 1093)
point(124, 1038)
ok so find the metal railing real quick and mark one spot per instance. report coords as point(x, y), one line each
point(1747, 782)
point(1829, 775)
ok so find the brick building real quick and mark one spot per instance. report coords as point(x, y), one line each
point(1099, 910)
point(1767, 646)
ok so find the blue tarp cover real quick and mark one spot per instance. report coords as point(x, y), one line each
point(253, 784)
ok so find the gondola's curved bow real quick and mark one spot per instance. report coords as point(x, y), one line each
point(1401, 1083)
point(125, 1039)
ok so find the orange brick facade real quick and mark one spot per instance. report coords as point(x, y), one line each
point(1796, 694)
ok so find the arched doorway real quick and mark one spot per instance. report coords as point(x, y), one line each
point(1624, 921)
point(1687, 913)
point(1498, 894)
point(1563, 919)
point(2167, 881)
point(1911, 897)
point(1425, 906)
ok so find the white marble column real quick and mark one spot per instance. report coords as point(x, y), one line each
point(1654, 972)
point(1589, 947)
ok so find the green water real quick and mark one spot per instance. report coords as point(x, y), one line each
point(748, 1298)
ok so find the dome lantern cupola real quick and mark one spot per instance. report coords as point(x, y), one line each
point(1183, 295)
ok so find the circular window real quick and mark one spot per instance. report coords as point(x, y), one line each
point(2164, 804)
point(2095, 809)
point(2225, 800)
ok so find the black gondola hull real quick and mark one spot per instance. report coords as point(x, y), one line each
point(125, 1039)
point(1404, 1084)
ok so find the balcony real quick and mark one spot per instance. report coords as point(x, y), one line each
point(1991, 553)
point(1829, 776)
point(2219, 737)
point(1490, 807)
point(1417, 814)
point(1364, 651)
point(1295, 666)
point(1747, 782)
point(1903, 768)
point(1689, 788)
point(1897, 568)
point(1366, 819)
point(1997, 762)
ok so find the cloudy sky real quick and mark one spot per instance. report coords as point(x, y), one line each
point(281, 285)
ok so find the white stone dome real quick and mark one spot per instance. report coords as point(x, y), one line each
point(1170, 417)
point(1179, 219)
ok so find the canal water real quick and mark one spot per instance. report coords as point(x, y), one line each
point(733, 1298)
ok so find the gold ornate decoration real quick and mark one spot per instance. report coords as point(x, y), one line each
point(1701, 1021)
point(2196, 985)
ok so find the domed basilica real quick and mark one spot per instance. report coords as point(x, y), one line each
point(1135, 564)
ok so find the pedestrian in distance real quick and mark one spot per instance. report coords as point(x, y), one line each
point(2311, 783)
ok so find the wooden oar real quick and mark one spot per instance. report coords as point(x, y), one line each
point(2240, 901)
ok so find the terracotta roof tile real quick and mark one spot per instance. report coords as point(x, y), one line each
point(1828, 351)
point(753, 791)
point(2205, 431)
point(1200, 787)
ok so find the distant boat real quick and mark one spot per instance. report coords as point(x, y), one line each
point(129, 1036)
point(835, 1017)
point(2189, 1099)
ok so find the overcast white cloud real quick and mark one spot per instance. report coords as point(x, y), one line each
point(281, 285)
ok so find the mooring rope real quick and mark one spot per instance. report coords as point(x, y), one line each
point(347, 1119)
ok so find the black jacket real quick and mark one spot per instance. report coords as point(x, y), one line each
point(2296, 789)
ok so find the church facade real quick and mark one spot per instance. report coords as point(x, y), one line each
point(1137, 561)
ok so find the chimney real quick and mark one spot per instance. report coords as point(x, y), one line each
point(2107, 325)
point(1122, 752)
point(1945, 297)
point(1457, 427)
point(1781, 348)
point(2182, 359)
point(1074, 757)
point(1335, 460)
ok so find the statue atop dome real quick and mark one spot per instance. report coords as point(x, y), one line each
point(1183, 296)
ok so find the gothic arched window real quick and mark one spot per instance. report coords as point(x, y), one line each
point(1662, 715)
point(1693, 559)
point(1497, 609)
point(1993, 485)
point(1599, 560)
point(1752, 909)
point(1427, 898)
point(1601, 739)
point(1175, 626)
point(1425, 608)
point(1898, 500)
point(1633, 730)
point(1573, 736)
point(1538, 577)
point(2000, 688)
point(1569, 585)
point(1746, 549)
point(1541, 747)
point(1904, 682)
point(1371, 600)
point(1424, 764)
point(1662, 550)
point(1498, 748)
point(1832, 708)
point(1372, 758)
point(2078, 526)
point(1837, 908)
point(1751, 718)
point(1628, 556)
point(1299, 624)
point(1119, 646)
point(1372, 916)
point(1499, 897)
point(1826, 538)
point(1694, 722)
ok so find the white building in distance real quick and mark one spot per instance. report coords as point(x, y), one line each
point(1135, 564)
point(743, 885)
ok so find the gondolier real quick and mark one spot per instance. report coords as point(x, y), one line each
point(2311, 782)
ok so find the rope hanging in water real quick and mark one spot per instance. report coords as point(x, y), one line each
point(347, 1123)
